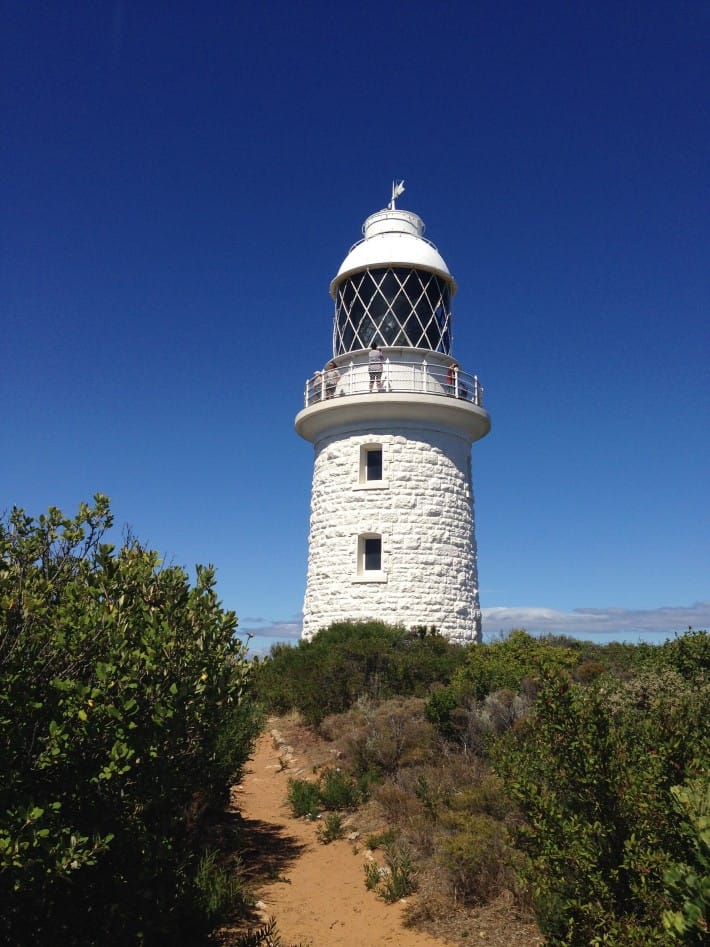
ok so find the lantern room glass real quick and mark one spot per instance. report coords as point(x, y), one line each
point(393, 306)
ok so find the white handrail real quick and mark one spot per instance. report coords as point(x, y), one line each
point(400, 375)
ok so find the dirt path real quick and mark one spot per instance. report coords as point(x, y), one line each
point(318, 895)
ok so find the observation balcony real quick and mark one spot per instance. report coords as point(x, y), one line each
point(433, 374)
point(415, 386)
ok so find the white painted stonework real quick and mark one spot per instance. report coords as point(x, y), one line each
point(422, 509)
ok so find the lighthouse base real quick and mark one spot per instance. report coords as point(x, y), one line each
point(400, 546)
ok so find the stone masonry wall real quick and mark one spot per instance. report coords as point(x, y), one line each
point(423, 510)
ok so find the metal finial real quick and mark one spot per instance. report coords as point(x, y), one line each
point(397, 189)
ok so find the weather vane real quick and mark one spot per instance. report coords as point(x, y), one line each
point(397, 189)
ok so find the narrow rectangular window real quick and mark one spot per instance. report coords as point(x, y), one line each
point(374, 464)
point(371, 468)
point(373, 554)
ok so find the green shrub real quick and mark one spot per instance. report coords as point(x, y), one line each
point(395, 881)
point(334, 789)
point(218, 889)
point(493, 686)
point(485, 796)
point(372, 875)
point(506, 664)
point(688, 654)
point(387, 837)
point(472, 855)
point(304, 797)
point(337, 790)
point(331, 829)
point(439, 708)
point(432, 795)
point(350, 660)
point(400, 878)
point(688, 883)
point(592, 769)
point(125, 712)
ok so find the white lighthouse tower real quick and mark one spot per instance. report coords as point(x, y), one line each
point(392, 532)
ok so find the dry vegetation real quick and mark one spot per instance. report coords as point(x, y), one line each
point(543, 778)
point(418, 799)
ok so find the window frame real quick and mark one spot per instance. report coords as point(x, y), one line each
point(363, 482)
point(362, 573)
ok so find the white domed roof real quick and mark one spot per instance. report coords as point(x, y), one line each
point(393, 237)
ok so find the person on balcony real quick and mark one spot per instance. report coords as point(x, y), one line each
point(331, 379)
point(316, 387)
point(374, 365)
point(451, 378)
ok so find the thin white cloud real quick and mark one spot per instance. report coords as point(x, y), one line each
point(619, 623)
point(667, 620)
point(274, 630)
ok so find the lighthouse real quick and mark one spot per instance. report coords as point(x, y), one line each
point(392, 417)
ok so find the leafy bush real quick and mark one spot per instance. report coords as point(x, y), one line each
point(337, 790)
point(350, 660)
point(688, 654)
point(504, 666)
point(472, 855)
point(440, 708)
point(400, 879)
point(476, 724)
point(688, 883)
point(380, 839)
point(334, 789)
point(331, 829)
point(124, 715)
point(593, 770)
point(218, 889)
point(397, 879)
point(372, 875)
point(304, 797)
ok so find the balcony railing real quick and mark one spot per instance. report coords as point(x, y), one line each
point(399, 375)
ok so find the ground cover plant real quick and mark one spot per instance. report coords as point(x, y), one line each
point(332, 790)
point(125, 714)
point(331, 829)
point(399, 877)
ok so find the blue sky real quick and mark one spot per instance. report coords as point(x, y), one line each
point(180, 183)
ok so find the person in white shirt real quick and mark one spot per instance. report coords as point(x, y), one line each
point(375, 363)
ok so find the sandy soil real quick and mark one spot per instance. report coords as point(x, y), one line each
point(317, 892)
